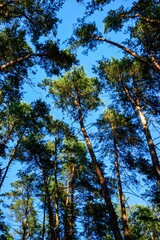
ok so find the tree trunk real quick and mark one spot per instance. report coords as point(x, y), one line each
point(66, 225)
point(100, 176)
point(71, 219)
point(153, 64)
point(5, 141)
point(25, 220)
point(11, 158)
point(57, 216)
point(69, 207)
point(121, 195)
point(152, 150)
point(56, 194)
point(151, 145)
point(44, 218)
point(49, 206)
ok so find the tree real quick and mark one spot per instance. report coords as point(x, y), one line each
point(77, 95)
point(18, 119)
point(135, 88)
point(142, 43)
point(33, 20)
point(4, 229)
point(75, 164)
point(55, 162)
point(115, 127)
point(144, 223)
point(37, 152)
point(27, 39)
point(14, 117)
point(96, 221)
point(68, 189)
point(22, 207)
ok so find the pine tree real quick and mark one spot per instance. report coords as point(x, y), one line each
point(77, 95)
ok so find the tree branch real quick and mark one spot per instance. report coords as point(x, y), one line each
point(154, 66)
point(13, 62)
point(11, 158)
point(137, 15)
point(127, 93)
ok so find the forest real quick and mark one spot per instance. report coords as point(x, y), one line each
point(79, 119)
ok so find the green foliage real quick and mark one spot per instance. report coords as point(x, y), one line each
point(144, 223)
point(75, 151)
point(145, 15)
point(13, 43)
point(26, 30)
point(73, 87)
point(140, 83)
point(115, 124)
point(22, 206)
point(52, 59)
point(93, 5)
point(113, 21)
point(58, 191)
point(84, 34)
point(96, 221)
point(142, 41)
point(4, 229)
point(39, 17)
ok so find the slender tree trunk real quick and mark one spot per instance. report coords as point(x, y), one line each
point(71, 219)
point(100, 176)
point(49, 206)
point(69, 208)
point(56, 195)
point(3, 144)
point(25, 221)
point(44, 218)
point(24, 230)
point(137, 108)
point(151, 145)
point(121, 195)
point(11, 159)
point(57, 216)
point(66, 227)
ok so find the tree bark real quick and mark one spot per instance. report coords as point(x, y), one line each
point(56, 194)
point(71, 219)
point(44, 218)
point(49, 206)
point(100, 176)
point(69, 207)
point(151, 145)
point(25, 224)
point(143, 120)
point(66, 225)
point(121, 195)
point(13, 62)
point(153, 64)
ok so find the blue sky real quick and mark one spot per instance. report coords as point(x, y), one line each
point(69, 14)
